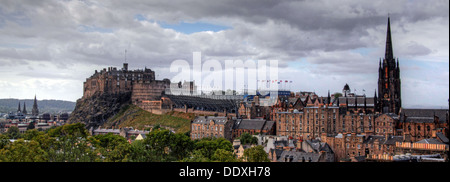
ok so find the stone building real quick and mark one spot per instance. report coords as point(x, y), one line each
point(252, 126)
point(146, 91)
point(419, 124)
point(211, 126)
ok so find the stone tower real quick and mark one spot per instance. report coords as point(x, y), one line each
point(35, 110)
point(389, 93)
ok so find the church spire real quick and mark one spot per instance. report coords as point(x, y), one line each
point(389, 54)
point(35, 110)
point(24, 109)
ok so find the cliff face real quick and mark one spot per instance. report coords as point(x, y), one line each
point(96, 109)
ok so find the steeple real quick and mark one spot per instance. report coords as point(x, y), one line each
point(18, 109)
point(35, 110)
point(389, 94)
point(329, 98)
point(389, 54)
point(24, 109)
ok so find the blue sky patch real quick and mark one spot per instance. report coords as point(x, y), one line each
point(89, 29)
point(185, 27)
point(188, 28)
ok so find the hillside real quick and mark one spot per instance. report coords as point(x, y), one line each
point(133, 116)
point(45, 106)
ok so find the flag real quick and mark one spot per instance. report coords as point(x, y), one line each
point(286, 81)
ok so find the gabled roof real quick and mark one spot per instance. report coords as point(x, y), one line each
point(442, 137)
point(422, 115)
point(295, 156)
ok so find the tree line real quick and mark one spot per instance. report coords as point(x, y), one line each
point(72, 143)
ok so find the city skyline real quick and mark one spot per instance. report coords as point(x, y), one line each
point(317, 49)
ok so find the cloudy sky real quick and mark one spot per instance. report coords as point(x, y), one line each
point(49, 48)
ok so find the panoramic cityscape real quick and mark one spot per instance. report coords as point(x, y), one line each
point(222, 100)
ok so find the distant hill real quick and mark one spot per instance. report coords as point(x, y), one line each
point(44, 106)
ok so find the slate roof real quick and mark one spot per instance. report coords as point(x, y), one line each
point(319, 146)
point(208, 119)
point(422, 115)
point(295, 156)
point(253, 124)
point(442, 137)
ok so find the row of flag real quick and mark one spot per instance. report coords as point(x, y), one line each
point(275, 81)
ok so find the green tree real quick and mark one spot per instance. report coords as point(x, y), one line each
point(71, 144)
point(4, 140)
point(208, 146)
point(181, 145)
point(31, 125)
point(256, 154)
point(222, 155)
point(246, 138)
point(337, 95)
point(13, 132)
point(23, 151)
point(196, 156)
point(76, 130)
point(31, 134)
point(139, 152)
point(113, 147)
point(158, 142)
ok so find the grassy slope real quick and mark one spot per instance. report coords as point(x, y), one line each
point(133, 116)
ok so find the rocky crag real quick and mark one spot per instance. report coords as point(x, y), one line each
point(94, 111)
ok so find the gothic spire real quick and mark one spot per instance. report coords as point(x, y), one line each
point(18, 109)
point(35, 110)
point(389, 54)
point(24, 108)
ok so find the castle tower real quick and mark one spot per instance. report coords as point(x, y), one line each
point(35, 110)
point(389, 94)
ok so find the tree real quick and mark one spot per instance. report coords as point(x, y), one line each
point(113, 147)
point(23, 151)
point(71, 144)
point(158, 142)
point(256, 154)
point(13, 132)
point(31, 125)
point(138, 152)
point(337, 95)
point(246, 138)
point(31, 134)
point(222, 155)
point(208, 146)
point(4, 140)
point(181, 145)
